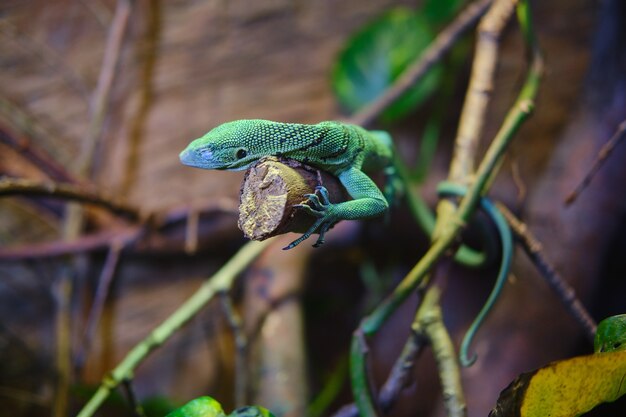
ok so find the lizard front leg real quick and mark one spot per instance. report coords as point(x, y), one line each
point(368, 202)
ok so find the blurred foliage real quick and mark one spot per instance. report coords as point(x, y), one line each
point(199, 407)
point(157, 406)
point(440, 11)
point(611, 334)
point(377, 54)
point(208, 407)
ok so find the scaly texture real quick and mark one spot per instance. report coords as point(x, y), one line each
point(343, 150)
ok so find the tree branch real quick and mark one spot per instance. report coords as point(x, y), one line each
point(560, 286)
point(23, 187)
point(602, 156)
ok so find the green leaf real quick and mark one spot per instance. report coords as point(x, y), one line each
point(565, 388)
point(200, 407)
point(377, 55)
point(611, 334)
point(208, 407)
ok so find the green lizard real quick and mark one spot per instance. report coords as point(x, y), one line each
point(343, 150)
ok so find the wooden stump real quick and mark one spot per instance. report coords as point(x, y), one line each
point(270, 190)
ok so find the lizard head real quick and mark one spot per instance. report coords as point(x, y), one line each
point(231, 146)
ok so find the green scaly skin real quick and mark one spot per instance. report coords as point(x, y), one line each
point(341, 149)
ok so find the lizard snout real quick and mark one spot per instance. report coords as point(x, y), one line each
point(199, 158)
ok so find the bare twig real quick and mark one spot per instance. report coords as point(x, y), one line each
point(23, 187)
point(401, 373)
point(479, 90)
point(102, 292)
point(82, 244)
point(435, 51)
point(37, 157)
point(563, 290)
point(397, 380)
point(30, 131)
point(100, 99)
point(162, 236)
point(601, 158)
point(430, 322)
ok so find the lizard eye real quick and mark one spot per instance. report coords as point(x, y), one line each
point(241, 153)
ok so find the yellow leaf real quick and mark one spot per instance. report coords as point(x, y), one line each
point(566, 388)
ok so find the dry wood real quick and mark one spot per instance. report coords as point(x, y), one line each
point(269, 192)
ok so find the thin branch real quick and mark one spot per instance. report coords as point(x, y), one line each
point(162, 236)
point(82, 244)
point(435, 51)
point(563, 290)
point(221, 281)
point(100, 99)
point(430, 322)
point(102, 292)
point(21, 187)
point(427, 327)
point(360, 376)
point(38, 157)
point(479, 90)
point(397, 380)
point(31, 130)
point(601, 158)
point(401, 373)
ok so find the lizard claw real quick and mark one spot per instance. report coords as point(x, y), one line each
point(322, 209)
point(315, 202)
point(323, 193)
point(313, 212)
